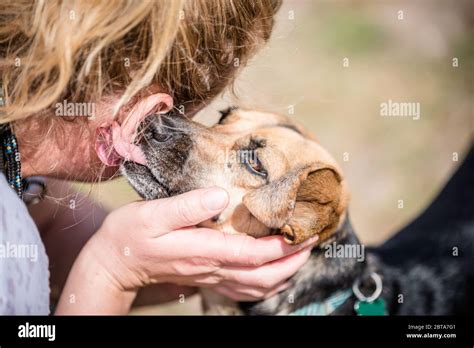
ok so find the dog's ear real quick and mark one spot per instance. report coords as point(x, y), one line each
point(306, 202)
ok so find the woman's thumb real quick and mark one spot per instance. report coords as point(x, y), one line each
point(188, 209)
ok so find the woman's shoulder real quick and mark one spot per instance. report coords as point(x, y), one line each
point(24, 275)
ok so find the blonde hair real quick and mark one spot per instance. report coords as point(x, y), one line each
point(81, 50)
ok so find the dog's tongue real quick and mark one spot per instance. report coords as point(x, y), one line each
point(113, 147)
point(105, 149)
point(115, 143)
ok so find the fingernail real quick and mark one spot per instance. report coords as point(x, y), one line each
point(310, 241)
point(284, 286)
point(215, 199)
point(279, 289)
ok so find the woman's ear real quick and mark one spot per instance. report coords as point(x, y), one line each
point(303, 203)
point(115, 139)
point(158, 103)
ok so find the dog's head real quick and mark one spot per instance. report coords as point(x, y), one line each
point(278, 177)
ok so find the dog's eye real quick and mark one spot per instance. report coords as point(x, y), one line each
point(252, 163)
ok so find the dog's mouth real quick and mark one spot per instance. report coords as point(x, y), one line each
point(160, 180)
point(165, 143)
point(165, 190)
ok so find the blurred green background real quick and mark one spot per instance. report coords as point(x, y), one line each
point(405, 60)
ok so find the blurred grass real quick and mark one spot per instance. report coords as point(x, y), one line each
point(406, 60)
point(344, 31)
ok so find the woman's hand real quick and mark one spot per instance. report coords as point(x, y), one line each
point(156, 241)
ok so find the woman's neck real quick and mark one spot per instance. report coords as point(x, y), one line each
point(60, 150)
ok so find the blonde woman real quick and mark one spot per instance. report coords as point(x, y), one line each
point(128, 59)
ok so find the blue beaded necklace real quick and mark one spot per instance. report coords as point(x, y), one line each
point(31, 190)
point(10, 159)
point(10, 162)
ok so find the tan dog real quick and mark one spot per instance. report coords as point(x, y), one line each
point(280, 180)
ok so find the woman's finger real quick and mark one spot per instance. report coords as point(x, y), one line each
point(246, 251)
point(246, 295)
point(268, 275)
point(188, 209)
point(255, 291)
point(234, 295)
point(277, 290)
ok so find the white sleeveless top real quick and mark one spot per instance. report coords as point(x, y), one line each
point(24, 274)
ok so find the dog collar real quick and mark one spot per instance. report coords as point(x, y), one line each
point(325, 307)
point(364, 305)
